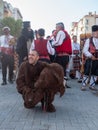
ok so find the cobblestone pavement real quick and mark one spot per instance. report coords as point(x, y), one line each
point(76, 110)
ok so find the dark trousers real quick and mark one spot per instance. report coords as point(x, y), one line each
point(91, 67)
point(63, 61)
point(7, 62)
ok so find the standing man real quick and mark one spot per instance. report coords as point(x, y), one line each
point(62, 44)
point(90, 51)
point(42, 46)
point(7, 55)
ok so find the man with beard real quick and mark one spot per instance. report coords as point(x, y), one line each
point(39, 81)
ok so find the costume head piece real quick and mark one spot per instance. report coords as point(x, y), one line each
point(94, 28)
point(6, 27)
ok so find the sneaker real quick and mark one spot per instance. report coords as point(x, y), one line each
point(83, 88)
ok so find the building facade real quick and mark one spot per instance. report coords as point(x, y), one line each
point(1, 9)
point(6, 10)
point(82, 28)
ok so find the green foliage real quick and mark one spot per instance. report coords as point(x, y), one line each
point(15, 25)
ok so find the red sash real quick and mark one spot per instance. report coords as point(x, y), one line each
point(8, 51)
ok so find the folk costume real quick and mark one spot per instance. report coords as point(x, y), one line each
point(91, 66)
point(63, 49)
point(76, 60)
point(39, 83)
point(42, 46)
point(7, 56)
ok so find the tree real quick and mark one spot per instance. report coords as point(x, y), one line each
point(15, 25)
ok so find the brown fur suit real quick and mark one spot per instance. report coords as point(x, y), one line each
point(40, 83)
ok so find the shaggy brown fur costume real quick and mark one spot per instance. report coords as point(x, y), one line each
point(51, 78)
point(47, 81)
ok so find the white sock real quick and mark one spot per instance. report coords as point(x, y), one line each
point(85, 80)
point(92, 81)
point(78, 74)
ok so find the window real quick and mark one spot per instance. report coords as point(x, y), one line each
point(87, 22)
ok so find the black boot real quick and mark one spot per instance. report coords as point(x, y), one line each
point(10, 80)
point(4, 83)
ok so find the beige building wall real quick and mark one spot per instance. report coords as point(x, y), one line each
point(84, 25)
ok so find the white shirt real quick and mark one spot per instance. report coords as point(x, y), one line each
point(75, 46)
point(4, 40)
point(50, 49)
point(59, 38)
point(86, 47)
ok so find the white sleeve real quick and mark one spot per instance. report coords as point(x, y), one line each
point(59, 39)
point(32, 46)
point(86, 49)
point(72, 44)
point(50, 49)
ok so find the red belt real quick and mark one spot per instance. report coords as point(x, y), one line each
point(62, 54)
point(44, 57)
point(8, 51)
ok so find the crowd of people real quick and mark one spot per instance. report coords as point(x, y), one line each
point(45, 64)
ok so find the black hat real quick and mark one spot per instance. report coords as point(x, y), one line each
point(26, 24)
point(94, 28)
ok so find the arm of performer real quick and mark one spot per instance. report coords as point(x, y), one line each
point(50, 49)
point(21, 84)
point(59, 38)
point(86, 51)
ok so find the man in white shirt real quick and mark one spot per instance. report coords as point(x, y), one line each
point(7, 55)
point(62, 44)
point(90, 51)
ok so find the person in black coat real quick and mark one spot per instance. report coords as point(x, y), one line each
point(21, 47)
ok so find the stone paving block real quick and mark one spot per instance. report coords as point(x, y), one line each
point(76, 110)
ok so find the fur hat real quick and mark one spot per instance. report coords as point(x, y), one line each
point(26, 24)
point(94, 28)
